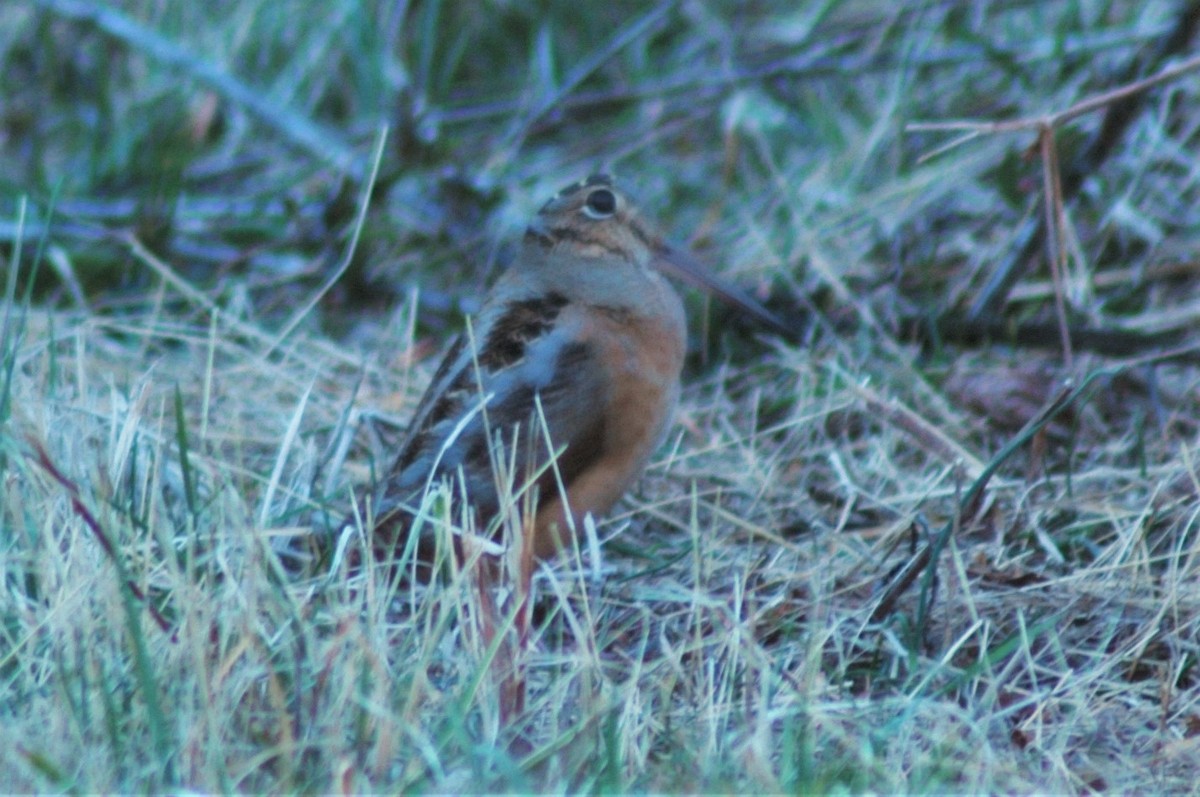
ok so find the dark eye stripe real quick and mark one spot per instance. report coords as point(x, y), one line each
point(542, 240)
point(642, 235)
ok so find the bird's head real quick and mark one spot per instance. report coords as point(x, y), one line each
point(593, 220)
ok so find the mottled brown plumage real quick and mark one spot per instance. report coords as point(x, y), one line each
point(582, 334)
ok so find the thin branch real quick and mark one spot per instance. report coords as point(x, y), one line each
point(106, 544)
point(1058, 118)
point(928, 435)
point(1121, 105)
point(1055, 219)
point(1128, 90)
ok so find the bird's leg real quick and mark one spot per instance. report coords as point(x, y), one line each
point(503, 625)
point(514, 615)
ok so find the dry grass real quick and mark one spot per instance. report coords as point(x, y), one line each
point(174, 401)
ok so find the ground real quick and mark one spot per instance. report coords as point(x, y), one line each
point(943, 539)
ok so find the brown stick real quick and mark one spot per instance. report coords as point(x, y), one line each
point(93, 523)
point(1058, 118)
point(1122, 104)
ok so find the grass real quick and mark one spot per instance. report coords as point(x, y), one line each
point(220, 306)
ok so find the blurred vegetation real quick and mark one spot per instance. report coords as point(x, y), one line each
point(160, 161)
point(121, 119)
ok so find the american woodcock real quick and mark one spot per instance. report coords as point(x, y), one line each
point(566, 381)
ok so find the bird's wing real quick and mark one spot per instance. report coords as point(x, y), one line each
point(534, 355)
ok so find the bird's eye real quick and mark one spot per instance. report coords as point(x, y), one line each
point(601, 204)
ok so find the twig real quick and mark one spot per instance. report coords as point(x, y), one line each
point(90, 520)
point(1052, 202)
point(927, 435)
point(1121, 104)
point(1031, 290)
point(1058, 118)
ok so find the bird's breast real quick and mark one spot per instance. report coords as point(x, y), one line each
point(642, 357)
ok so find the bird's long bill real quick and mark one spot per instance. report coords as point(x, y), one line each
point(683, 265)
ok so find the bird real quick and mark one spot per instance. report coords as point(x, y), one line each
point(563, 384)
